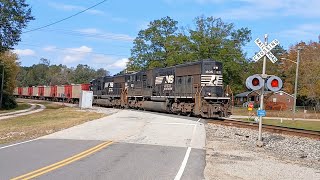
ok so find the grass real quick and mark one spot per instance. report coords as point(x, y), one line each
point(301, 124)
point(21, 106)
point(54, 118)
point(273, 113)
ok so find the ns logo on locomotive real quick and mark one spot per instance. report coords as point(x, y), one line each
point(191, 89)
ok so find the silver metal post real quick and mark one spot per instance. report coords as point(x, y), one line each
point(1, 94)
point(296, 84)
point(262, 92)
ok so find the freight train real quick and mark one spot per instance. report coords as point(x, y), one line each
point(191, 89)
point(67, 93)
point(194, 88)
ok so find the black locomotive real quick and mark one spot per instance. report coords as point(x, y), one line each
point(191, 89)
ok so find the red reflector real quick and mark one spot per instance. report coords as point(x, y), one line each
point(255, 82)
point(275, 83)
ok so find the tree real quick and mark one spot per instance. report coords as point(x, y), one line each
point(8, 62)
point(151, 46)
point(309, 70)
point(162, 44)
point(102, 72)
point(14, 16)
point(220, 41)
point(83, 74)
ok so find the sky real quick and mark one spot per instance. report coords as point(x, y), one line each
point(103, 36)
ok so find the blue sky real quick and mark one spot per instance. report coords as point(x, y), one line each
point(103, 36)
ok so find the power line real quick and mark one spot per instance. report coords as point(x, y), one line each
point(56, 22)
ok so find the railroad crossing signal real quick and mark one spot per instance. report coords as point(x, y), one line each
point(255, 82)
point(274, 83)
point(266, 50)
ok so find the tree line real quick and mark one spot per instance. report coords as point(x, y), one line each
point(45, 74)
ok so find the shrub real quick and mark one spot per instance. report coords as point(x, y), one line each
point(8, 101)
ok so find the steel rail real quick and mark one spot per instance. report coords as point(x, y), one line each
point(269, 128)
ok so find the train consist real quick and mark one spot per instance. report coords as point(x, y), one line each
point(192, 89)
point(66, 93)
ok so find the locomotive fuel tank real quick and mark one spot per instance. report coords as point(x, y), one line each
point(155, 106)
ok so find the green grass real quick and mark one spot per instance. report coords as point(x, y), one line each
point(301, 124)
point(21, 106)
point(274, 113)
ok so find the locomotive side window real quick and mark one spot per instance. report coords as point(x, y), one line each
point(189, 79)
point(179, 80)
point(144, 77)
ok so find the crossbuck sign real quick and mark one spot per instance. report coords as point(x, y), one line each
point(266, 50)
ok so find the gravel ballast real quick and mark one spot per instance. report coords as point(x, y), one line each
point(232, 154)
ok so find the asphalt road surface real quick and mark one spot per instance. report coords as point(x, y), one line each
point(124, 145)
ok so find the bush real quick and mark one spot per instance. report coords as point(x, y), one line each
point(8, 101)
point(279, 106)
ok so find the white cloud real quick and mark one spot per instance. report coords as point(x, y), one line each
point(73, 55)
point(89, 30)
point(305, 31)
point(49, 48)
point(67, 7)
point(96, 33)
point(119, 64)
point(24, 52)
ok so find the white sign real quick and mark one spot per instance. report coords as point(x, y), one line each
point(266, 50)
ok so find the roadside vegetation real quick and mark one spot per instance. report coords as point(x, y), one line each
point(21, 106)
point(299, 124)
point(274, 113)
point(54, 118)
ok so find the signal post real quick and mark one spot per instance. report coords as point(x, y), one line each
point(258, 81)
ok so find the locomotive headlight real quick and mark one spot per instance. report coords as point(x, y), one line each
point(209, 94)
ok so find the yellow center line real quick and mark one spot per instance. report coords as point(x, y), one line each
point(64, 162)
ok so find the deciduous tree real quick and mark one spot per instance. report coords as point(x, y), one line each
point(14, 16)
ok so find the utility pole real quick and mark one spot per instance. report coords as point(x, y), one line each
point(1, 94)
point(296, 84)
point(264, 76)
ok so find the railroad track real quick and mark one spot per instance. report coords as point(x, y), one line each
point(269, 128)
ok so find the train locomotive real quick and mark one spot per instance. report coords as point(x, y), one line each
point(194, 88)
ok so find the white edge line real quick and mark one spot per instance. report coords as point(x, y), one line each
point(18, 143)
point(183, 164)
point(186, 157)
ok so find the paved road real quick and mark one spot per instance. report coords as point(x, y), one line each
point(124, 145)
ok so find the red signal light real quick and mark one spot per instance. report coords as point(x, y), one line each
point(255, 82)
point(274, 83)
